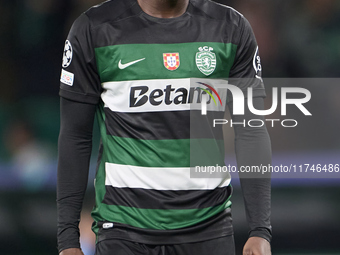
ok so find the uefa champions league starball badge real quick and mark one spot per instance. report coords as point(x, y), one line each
point(67, 55)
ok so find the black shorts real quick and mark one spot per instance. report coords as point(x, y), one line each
point(219, 246)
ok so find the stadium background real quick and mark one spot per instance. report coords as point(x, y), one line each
point(297, 39)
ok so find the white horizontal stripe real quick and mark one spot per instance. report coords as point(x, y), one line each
point(116, 95)
point(126, 176)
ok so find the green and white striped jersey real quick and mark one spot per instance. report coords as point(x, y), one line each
point(147, 76)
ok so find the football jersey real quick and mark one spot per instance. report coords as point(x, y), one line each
point(147, 76)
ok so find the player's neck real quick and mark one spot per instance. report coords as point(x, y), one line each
point(164, 8)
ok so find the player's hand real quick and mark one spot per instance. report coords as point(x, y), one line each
point(257, 246)
point(72, 251)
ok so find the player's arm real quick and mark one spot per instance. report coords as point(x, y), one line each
point(252, 145)
point(74, 151)
point(80, 93)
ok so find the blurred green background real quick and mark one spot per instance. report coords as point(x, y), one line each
point(297, 39)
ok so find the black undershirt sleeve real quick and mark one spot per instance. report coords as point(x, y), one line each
point(253, 148)
point(74, 151)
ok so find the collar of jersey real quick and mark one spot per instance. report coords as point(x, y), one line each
point(183, 17)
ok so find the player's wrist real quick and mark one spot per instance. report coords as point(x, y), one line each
point(72, 251)
point(264, 233)
point(69, 246)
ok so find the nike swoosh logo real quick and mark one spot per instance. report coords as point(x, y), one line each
point(123, 66)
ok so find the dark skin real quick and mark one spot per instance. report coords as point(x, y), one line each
point(164, 8)
point(173, 9)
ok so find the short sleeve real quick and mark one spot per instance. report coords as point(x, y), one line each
point(247, 70)
point(79, 80)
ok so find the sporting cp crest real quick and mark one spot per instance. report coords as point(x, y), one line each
point(171, 61)
point(206, 60)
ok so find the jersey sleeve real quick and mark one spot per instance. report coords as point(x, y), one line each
point(79, 80)
point(247, 70)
